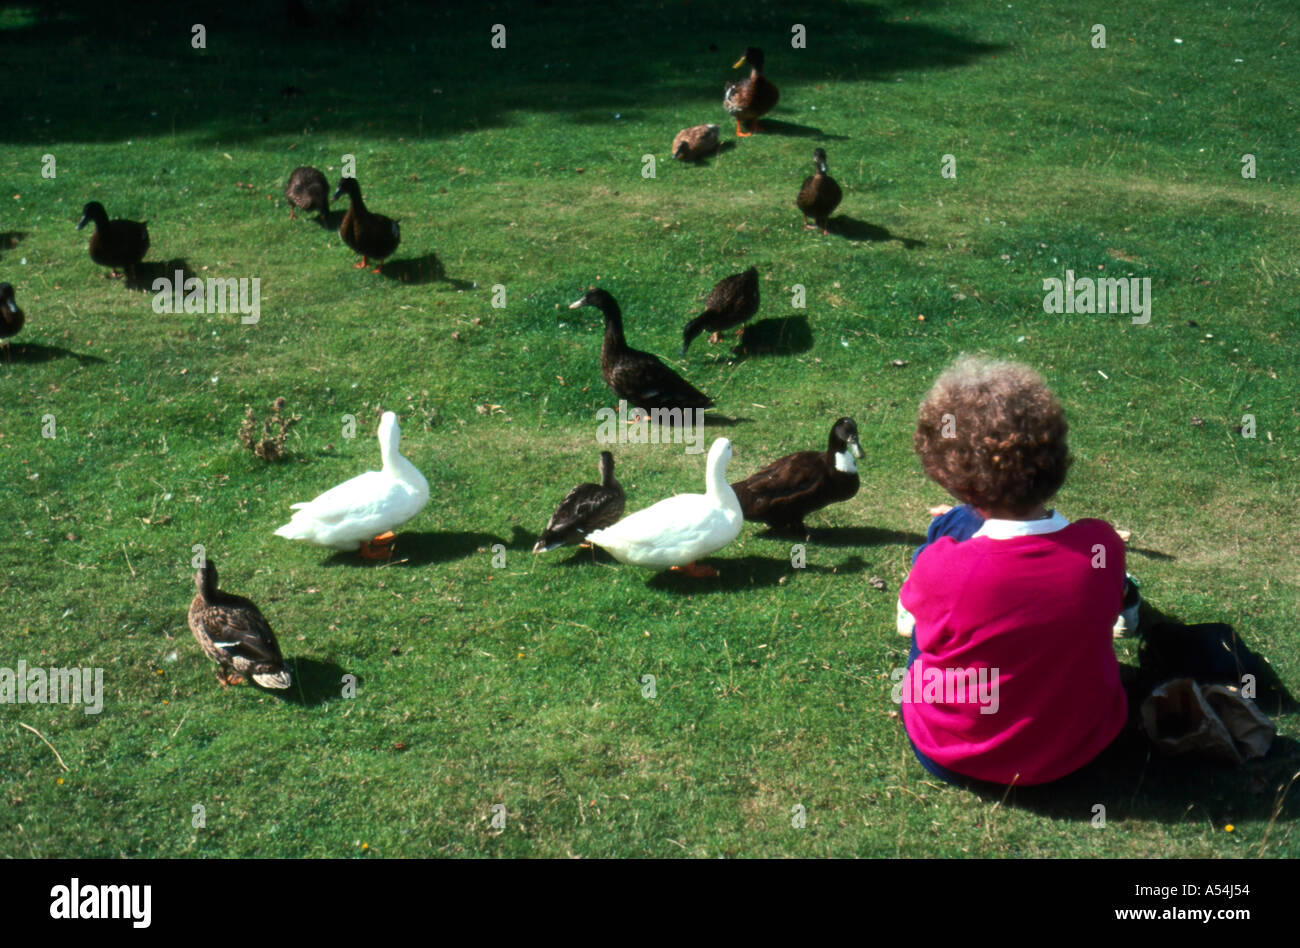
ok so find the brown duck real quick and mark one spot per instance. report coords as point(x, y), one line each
point(585, 508)
point(786, 491)
point(636, 376)
point(367, 233)
point(11, 317)
point(732, 301)
point(819, 196)
point(696, 142)
point(114, 244)
point(232, 632)
point(752, 96)
point(307, 190)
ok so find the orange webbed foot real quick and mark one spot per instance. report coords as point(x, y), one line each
point(696, 571)
point(380, 548)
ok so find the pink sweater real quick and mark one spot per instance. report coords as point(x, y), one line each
point(1027, 621)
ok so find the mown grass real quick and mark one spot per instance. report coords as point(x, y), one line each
point(521, 685)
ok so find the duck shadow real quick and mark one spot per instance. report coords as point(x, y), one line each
point(9, 239)
point(746, 572)
point(786, 335)
point(851, 228)
point(846, 536)
point(146, 273)
point(421, 270)
point(724, 421)
point(34, 352)
point(331, 220)
point(420, 549)
point(314, 683)
point(792, 130)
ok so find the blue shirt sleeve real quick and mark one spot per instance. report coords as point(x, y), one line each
point(960, 523)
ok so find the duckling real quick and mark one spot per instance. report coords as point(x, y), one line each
point(307, 189)
point(232, 632)
point(638, 377)
point(117, 243)
point(585, 508)
point(752, 96)
point(11, 317)
point(367, 233)
point(786, 491)
point(819, 196)
point(696, 142)
point(732, 301)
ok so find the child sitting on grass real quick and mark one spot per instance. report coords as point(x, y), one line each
point(1024, 606)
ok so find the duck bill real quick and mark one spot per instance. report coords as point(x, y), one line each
point(83, 222)
point(739, 62)
point(855, 449)
point(578, 304)
point(338, 193)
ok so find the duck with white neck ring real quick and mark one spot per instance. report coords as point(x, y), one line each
point(787, 490)
point(681, 529)
point(362, 513)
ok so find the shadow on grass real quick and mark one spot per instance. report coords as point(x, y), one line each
point(1132, 781)
point(34, 352)
point(1151, 554)
point(746, 572)
point(846, 536)
point(148, 271)
point(852, 229)
point(11, 238)
point(728, 145)
point(784, 335)
point(593, 556)
point(410, 69)
point(420, 549)
point(314, 682)
point(767, 126)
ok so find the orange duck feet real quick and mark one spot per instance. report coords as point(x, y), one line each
point(380, 548)
point(696, 571)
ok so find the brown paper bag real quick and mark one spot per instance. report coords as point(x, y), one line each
point(1214, 723)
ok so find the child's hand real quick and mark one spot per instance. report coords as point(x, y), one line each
point(940, 510)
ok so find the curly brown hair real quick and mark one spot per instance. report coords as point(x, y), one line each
point(993, 435)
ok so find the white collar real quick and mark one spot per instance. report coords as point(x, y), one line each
point(1009, 529)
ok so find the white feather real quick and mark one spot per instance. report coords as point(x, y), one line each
point(366, 506)
point(682, 528)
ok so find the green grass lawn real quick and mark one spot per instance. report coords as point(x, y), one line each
point(480, 684)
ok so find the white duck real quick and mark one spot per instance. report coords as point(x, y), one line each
point(364, 512)
point(683, 528)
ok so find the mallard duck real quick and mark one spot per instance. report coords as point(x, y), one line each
point(585, 508)
point(308, 190)
point(732, 301)
point(367, 233)
point(819, 196)
point(681, 529)
point(363, 512)
point(752, 96)
point(786, 491)
point(696, 142)
point(638, 377)
point(11, 317)
point(232, 632)
point(114, 244)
